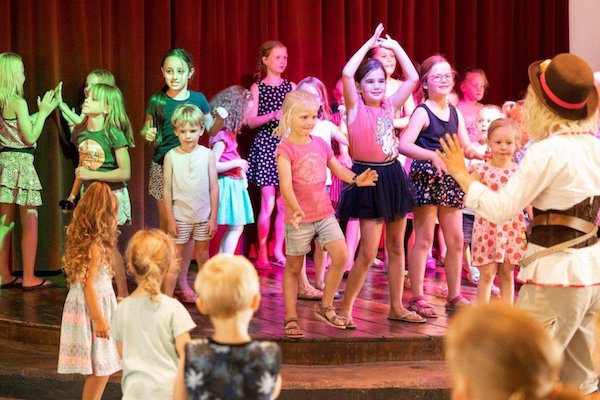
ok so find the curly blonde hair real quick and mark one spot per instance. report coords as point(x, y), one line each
point(540, 122)
point(94, 224)
point(235, 100)
point(150, 254)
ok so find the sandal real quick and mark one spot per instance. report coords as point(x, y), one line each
point(420, 305)
point(333, 320)
point(292, 329)
point(309, 293)
point(16, 282)
point(349, 322)
point(457, 303)
point(409, 316)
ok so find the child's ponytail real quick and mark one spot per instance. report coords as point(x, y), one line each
point(150, 254)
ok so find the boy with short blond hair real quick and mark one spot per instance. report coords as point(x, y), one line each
point(229, 364)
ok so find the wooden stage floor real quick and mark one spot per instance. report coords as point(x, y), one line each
point(34, 317)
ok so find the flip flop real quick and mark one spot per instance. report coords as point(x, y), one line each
point(17, 282)
point(410, 316)
point(44, 284)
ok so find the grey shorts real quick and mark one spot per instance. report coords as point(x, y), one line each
point(298, 241)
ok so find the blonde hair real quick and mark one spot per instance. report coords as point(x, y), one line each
point(504, 354)
point(491, 107)
point(324, 108)
point(540, 122)
point(505, 123)
point(116, 118)
point(150, 254)
point(235, 100)
point(104, 76)
point(188, 114)
point(11, 69)
point(226, 285)
point(294, 102)
point(94, 223)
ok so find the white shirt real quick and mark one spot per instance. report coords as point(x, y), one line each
point(556, 173)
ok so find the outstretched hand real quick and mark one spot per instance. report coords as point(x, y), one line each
point(367, 178)
point(452, 156)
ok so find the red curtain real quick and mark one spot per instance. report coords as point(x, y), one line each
point(62, 40)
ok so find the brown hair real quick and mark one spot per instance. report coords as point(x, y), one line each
point(426, 67)
point(265, 51)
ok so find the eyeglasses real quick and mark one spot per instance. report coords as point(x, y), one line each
point(439, 77)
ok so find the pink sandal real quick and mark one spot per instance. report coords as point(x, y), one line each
point(420, 305)
point(457, 303)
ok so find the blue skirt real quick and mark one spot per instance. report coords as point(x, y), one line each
point(389, 200)
point(235, 207)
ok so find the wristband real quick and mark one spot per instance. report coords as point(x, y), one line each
point(354, 179)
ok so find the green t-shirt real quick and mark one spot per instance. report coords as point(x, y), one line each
point(97, 149)
point(169, 140)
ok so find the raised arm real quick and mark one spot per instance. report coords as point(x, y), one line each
point(412, 77)
point(33, 129)
point(350, 93)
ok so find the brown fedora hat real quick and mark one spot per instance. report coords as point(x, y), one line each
point(565, 85)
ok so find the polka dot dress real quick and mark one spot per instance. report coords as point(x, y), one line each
point(262, 169)
point(497, 243)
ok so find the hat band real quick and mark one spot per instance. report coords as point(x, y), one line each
point(556, 99)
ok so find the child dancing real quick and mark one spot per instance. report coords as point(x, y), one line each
point(302, 162)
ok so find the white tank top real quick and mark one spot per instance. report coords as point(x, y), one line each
point(190, 183)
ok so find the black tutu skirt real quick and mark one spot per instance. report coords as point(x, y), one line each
point(389, 200)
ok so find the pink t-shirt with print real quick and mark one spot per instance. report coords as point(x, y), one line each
point(309, 174)
point(371, 135)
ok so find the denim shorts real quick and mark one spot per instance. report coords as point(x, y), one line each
point(298, 241)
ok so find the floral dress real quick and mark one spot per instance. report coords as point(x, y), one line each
point(492, 242)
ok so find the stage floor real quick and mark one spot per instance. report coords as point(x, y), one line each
point(36, 316)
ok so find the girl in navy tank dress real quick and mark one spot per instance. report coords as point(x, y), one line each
point(268, 94)
point(438, 195)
